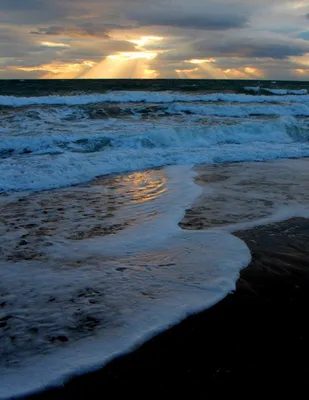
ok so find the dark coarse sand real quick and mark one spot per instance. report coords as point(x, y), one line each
point(256, 339)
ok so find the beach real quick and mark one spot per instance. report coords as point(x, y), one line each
point(152, 239)
point(256, 338)
point(92, 271)
point(154, 199)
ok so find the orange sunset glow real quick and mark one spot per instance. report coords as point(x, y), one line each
point(176, 39)
point(130, 64)
point(134, 64)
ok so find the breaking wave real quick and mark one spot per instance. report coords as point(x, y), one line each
point(53, 160)
point(151, 97)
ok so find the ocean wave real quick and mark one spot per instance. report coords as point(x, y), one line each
point(44, 117)
point(31, 163)
point(282, 130)
point(239, 110)
point(147, 97)
point(282, 92)
point(279, 92)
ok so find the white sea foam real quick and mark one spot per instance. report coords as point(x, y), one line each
point(147, 97)
point(180, 134)
point(239, 110)
point(141, 281)
point(246, 195)
point(280, 92)
point(62, 160)
point(254, 89)
point(64, 140)
point(283, 92)
point(63, 119)
point(165, 273)
point(149, 275)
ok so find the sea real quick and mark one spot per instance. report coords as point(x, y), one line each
point(95, 179)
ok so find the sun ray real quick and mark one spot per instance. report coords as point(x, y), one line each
point(201, 60)
point(122, 65)
point(58, 70)
point(211, 71)
point(186, 73)
point(55, 44)
point(144, 40)
point(129, 64)
point(207, 68)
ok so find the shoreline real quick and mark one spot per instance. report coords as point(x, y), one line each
point(256, 337)
point(114, 307)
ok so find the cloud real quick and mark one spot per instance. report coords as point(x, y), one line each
point(55, 45)
point(241, 35)
point(14, 43)
point(25, 12)
point(80, 30)
point(84, 50)
point(207, 20)
point(16, 5)
point(255, 48)
point(304, 35)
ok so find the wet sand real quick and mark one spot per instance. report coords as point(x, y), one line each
point(257, 338)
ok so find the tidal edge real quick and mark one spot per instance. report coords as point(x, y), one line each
point(256, 338)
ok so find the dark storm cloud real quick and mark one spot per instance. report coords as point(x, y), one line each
point(245, 48)
point(304, 35)
point(33, 11)
point(191, 20)
point(20, 49)
point(16, 5)
point(80, 51)
point(206, 15)
point(16, 74)
point(15, 44)
point(241, 32)
point(84, 29)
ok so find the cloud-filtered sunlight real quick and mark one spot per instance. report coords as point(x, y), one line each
point(130, 64)
point(53, 44)
point(128, 39)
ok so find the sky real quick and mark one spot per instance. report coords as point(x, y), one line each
point(222, 39)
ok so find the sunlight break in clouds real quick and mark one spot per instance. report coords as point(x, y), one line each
point(142, 39)
point(59, 70)
point(54, 44)
point(130, 64)
point(186, 73)
point(201, 61)
point(208, 69)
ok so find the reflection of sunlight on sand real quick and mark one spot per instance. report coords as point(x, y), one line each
point(102, 207)
point(114, 292)
point(143, 186)
point(103, 293)
point(153, 201)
